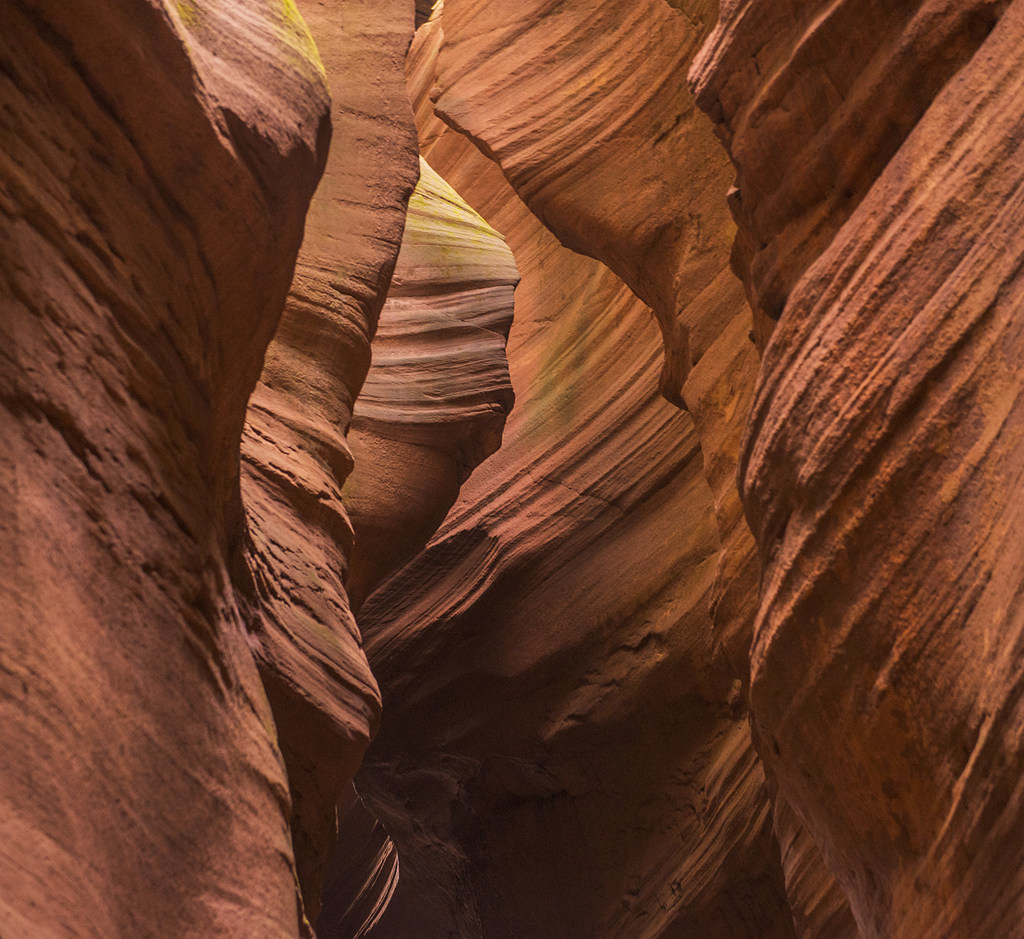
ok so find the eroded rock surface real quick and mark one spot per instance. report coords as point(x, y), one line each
point(295, 453)
point(881, 469)
point(565, 750)
point(434, 403)
point(812, 100)
point(156, 166)
point(562, 754)
point(622, 123)
point(433, 406)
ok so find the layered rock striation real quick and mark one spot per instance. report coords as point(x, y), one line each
point(562, 752)
point(881, 467)
point(435, 401)
point(709, 646)
point(146, 253)
point(296, 458)
point(882, 473)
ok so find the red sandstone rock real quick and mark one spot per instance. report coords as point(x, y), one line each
point(433, 406)
point(565, 748)
point(619, 164)
point(630, 174)
point(435, 400)
point(559, 754)
point(813, 99)
point(295, 455)
point(156, 165)
point(882, 475)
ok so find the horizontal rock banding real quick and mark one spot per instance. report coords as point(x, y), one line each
point(435, 400)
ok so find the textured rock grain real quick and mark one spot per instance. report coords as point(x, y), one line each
point(146, 253)
point(295, 453)
point(812, 100)
point(436, 397)
point(622, 122)
point(882, 468)
point(560, 756)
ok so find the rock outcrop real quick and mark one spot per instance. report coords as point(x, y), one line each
point(881, 468)
point(156, 166)
point(723, 638)
point(295, 453)
point(562, 754)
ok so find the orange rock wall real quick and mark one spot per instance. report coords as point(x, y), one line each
point(562, 753)
point(722, 639)
point(295, 455)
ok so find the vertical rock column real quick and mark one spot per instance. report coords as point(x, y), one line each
point(156, 163)
point(880, 215)
point(295, 454)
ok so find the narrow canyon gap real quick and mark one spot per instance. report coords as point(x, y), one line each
point(547, 471)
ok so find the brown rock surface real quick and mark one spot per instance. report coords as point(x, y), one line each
point(295, 454)
point(514, 709)
point(432, 407)
point(882, 472)
point(622, 122)
point(565, 748)
point(560, 754)
point(812, 99)
point(436, 397)
point(624, 168)
point(156, 165)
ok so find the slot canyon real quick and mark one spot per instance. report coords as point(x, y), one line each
point(549, 470)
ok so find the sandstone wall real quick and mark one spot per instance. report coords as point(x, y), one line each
point(156, 166)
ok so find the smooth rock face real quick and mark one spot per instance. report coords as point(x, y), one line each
point(623, 167)
point(560, 754)
point(156, 165)
point(882, 466)
point(295, 454)
point(619, 164)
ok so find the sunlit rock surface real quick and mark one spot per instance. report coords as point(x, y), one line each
point(156, 166)
point(618, 163)
point(435, 400)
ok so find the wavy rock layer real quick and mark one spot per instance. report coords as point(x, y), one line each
point(432, 407)
point(882, 470)
point(623, 167)
point(295, 453)
point(146, 254)
point(435, 400)
point(622, 117)
point(560, 754)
